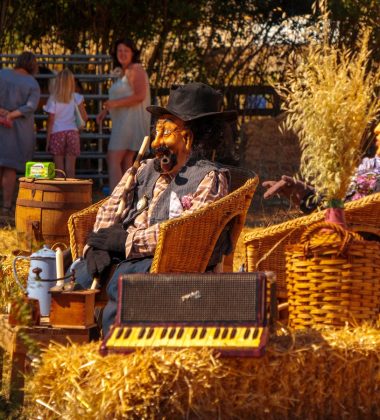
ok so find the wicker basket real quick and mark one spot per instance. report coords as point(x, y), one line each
point(265, 246)
point(333, 278)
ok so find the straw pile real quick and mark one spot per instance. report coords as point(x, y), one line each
point(9, 290)
point(311, 374)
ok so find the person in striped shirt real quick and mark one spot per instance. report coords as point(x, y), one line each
point(177, 181)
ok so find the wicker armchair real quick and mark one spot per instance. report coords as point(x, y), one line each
point(185, 244)
point(264, 247)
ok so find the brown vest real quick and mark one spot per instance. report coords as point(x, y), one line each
point(186, 182)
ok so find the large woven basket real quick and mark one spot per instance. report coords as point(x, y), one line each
point(265, 246)
point(333, 278)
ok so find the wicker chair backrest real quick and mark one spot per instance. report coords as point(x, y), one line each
point(186, 243)
point(239, 176)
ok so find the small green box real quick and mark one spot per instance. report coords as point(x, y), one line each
point(41, 170)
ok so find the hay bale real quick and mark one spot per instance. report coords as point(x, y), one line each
point(9, 289)
point(310, 374)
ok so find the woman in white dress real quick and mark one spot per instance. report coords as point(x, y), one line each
point(128, 98)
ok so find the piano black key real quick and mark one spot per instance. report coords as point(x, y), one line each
point(118, 335)
point(255, 332)
point(150, 333)
point(246, 334)
point(180, 332)
point(224, 333)
point(141, 333)
point(127, 333)
point(203, 333)
point(216, 334)
point(194, 333)
point(233, 333)
point(164, 331)
point(172, 333)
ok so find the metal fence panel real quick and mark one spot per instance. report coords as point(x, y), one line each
point(92, 73)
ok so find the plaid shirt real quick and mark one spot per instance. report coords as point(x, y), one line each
point(142, 237)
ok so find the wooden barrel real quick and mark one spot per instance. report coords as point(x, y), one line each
point(44, 206)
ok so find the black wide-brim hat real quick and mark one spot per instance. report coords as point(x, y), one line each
point(193, 101)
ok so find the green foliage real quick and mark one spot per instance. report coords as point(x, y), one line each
point(348, 16)
point(219, 42)
point(222, 42)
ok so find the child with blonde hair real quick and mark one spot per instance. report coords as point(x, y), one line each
point(62, 132)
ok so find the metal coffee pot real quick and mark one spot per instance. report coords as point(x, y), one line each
point(42, 276)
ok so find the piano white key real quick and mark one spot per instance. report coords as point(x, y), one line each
point(115, 332)
point(129, 338)
point(189, 336)
point(162, 338)
point(156, 335)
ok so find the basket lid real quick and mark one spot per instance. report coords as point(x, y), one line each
point(56, 181)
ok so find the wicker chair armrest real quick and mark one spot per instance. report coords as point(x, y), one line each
point(80, 224)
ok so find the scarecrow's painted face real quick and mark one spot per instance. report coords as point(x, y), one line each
point(377, 133)
point(171, 145)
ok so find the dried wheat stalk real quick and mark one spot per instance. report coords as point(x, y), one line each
point(330, 101)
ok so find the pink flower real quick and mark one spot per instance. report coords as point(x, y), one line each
point(356, 196)
point(187, 202)
point(363, 185)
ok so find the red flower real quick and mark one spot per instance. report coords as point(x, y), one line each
point(187, 202)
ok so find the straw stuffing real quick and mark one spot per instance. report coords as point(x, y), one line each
point(307, 374)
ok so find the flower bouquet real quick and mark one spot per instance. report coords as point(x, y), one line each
point(366, 180)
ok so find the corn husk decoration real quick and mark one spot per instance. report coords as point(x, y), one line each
point(330, 102)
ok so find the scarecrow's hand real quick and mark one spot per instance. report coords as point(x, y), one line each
point(97, 260)
point(287, 187)
point(109, 239)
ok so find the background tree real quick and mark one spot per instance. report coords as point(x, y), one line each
point(348, 16)
point(229, 42)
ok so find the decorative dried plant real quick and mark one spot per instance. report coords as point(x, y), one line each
point(9, 289)
point(330, 102)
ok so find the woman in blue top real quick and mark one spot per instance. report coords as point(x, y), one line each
point(19, 97)
point(128, 98)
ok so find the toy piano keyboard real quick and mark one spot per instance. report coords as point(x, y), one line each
point(226, 312)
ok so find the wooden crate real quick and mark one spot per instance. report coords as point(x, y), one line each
point(74, 309)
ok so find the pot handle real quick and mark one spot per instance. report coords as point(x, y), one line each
point(59, 245)
point(19, 257)
point(61, 172)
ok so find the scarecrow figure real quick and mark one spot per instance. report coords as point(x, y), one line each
point(177, 181)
